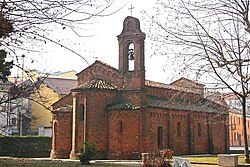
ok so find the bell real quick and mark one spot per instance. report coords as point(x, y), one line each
point(131, 54)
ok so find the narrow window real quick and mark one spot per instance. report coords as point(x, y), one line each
point(235, 136)
point(13, 121)
point(199, 129)
point(160, 138)
point(239, 120)
point(232, 138)
point(54, 134)
point(120, 127)
point(179, 129)
point(81, 112)
point(131, 62)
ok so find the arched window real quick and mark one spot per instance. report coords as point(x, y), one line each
point(81, 112)
point(179, 129)
point(131, 58)
point(199, 129)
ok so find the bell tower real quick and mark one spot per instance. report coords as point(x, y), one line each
point(131, 54)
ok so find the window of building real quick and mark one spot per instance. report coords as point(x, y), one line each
point(55, 134)
point(239, 120)
point(81, 112)
point(235, 136)
point(179, 129)
point(120, 126)
point(160, 138)
point(199, 129)
point(248, 107)
point(13, 121)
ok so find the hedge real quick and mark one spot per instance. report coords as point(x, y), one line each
point(25, 146)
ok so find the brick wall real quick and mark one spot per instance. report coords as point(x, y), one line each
point(200, 137)
point(125, 138)
point(96, 130)
point(61, 139)
point(66, 100)
point(220, 133)
point(102, 70)
point(179, 131)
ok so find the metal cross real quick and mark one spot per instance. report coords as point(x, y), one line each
point(131, 8)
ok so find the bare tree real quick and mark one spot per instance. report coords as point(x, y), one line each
point(15, 113)
point(25, 24)
point(211, 40)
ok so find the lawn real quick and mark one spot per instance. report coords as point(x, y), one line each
point(21, 162)
point(210, 159)
point(34, 163)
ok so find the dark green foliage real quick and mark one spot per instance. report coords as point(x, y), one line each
point(88, 152)
point(25, 146)
point(5, 67)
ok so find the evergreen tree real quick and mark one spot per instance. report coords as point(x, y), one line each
point(5, 66)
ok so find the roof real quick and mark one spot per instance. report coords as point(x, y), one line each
point(216, 97)
point(232, 96)
point(167, 86)
point(123, 106)
point(98, 62)
point(203, 105)
point(65, 109)
point(67, 75)
point(96, 83)
point(182, 79)
point(61, 85)
point(6, 85)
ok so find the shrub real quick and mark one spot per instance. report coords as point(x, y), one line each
point(88, 152)
point(158, 159)
point(25, 146)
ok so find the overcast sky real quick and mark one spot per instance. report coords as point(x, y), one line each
point(102, 45)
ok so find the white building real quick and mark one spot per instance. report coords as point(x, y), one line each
point(13, 111)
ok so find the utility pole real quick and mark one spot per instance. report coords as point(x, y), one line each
point(20, 112)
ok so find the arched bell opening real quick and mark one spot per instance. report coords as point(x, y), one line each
point(131, 56)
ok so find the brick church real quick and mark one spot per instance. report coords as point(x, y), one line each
point(124, 114)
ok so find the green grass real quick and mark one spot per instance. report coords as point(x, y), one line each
point(21, 162)
point(32, 163)
point(210, 159)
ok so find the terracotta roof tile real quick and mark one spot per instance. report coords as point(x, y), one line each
point(176, 104)
point(123, 106)
point(167, 86)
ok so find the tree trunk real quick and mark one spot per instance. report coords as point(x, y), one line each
point(246, 151)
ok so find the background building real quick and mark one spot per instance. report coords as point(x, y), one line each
point(49, 91)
